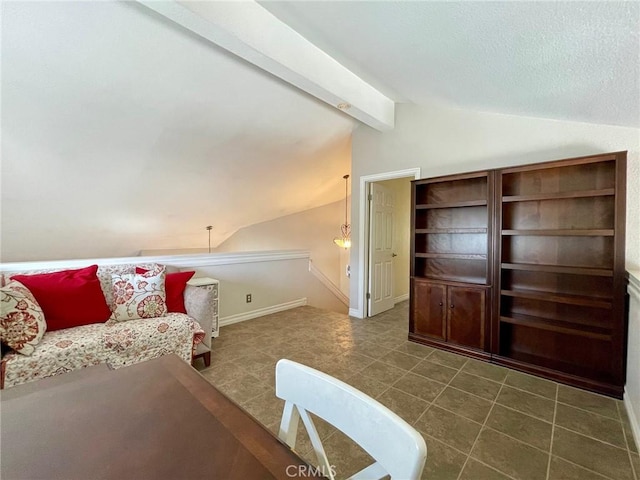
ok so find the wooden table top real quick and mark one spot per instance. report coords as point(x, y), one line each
point(155, 420)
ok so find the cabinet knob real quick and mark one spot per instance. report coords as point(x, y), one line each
point(451, 305)
point(440, 304)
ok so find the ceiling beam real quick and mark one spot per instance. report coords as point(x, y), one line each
point(249, 31)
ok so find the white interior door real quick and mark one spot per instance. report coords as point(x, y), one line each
point(381, 205)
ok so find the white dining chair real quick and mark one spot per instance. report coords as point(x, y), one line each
point(398, 449)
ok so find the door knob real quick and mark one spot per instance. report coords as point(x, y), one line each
point(394, 254)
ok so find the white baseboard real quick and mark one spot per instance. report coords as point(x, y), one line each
point(261, 312)
point(401, 298)
point(354, 312)
point(635, 421)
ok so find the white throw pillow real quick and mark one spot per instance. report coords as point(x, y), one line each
point(139, 295)
point(22, 323)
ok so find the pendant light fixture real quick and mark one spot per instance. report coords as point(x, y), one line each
point(344, 241)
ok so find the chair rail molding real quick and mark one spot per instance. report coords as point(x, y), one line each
point(193, 260)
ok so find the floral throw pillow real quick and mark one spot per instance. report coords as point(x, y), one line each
point(22, 323)
point(139, 295)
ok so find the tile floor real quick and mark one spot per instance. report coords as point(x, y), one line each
point(479, 421)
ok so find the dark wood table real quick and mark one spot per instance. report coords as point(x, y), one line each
point(155, 420)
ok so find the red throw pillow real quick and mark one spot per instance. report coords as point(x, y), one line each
point(174, 285)
point(69, 298)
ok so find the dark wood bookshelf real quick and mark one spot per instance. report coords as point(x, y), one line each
point(559, 195)
point(534, 255)
point(560, 233)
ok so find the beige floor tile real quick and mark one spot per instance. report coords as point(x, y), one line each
point(531, 384)
point(635, 462)
point(420, 386)
point(407, 406)
point(415, 349)
point(400, 360)
point(448, 359)
point(485, 370)
point(528, 403)
point(434, 371)
point(219, 374)
point(592, 454)
point(523, 427)
point(479, 386)
point(443, 462)
point(475, 470)
point(383, 372)
point(591, 425)
point(245, 388)
point(588, 401)
point(513, 458)
point(376, 358)
point(266, 408)
point(345, 455)
point(560, 469)
point(369, 349)
point(464, 404)
point(449, 428)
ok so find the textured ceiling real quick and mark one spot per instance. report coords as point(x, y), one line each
point(121, 131)
point(563, 60)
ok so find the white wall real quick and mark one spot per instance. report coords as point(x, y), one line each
point(632, 389)
point(272, 285)
point(312, 230)
point(276, 280)
point(444, 140)
point(401, 188)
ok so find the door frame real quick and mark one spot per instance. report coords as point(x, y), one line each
point(363, 233)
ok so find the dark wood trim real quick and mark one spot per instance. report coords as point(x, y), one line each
point(568, 379)
point(450, 347)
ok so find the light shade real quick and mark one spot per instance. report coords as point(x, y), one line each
point(343, 242)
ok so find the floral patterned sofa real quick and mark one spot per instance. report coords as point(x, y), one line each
point(116, 343)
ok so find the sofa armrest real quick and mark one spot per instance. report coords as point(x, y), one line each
point(201, 303)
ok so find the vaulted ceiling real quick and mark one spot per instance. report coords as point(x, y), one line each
point(122, 130)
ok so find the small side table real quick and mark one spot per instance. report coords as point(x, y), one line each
point(212, 285)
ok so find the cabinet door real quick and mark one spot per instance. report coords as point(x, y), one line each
point(428, 309)
point(466, 316)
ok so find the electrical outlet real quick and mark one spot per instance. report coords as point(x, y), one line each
point(248, 298)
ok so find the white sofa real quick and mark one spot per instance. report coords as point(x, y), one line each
point(119, 344)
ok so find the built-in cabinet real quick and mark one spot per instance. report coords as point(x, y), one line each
point(451, 262)
point(441, 312)
point(524, 267)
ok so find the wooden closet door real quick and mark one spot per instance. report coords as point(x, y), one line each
point(428, 308)
point(466, 309)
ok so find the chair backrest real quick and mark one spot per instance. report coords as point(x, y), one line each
point(399, 450)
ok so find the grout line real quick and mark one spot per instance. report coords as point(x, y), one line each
point(378, 337)
point(592, 412)
point(600, 475)
point(553, 430)
point(593, 438)
point(626, 441)
point(433, 402)
point(493, 404)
